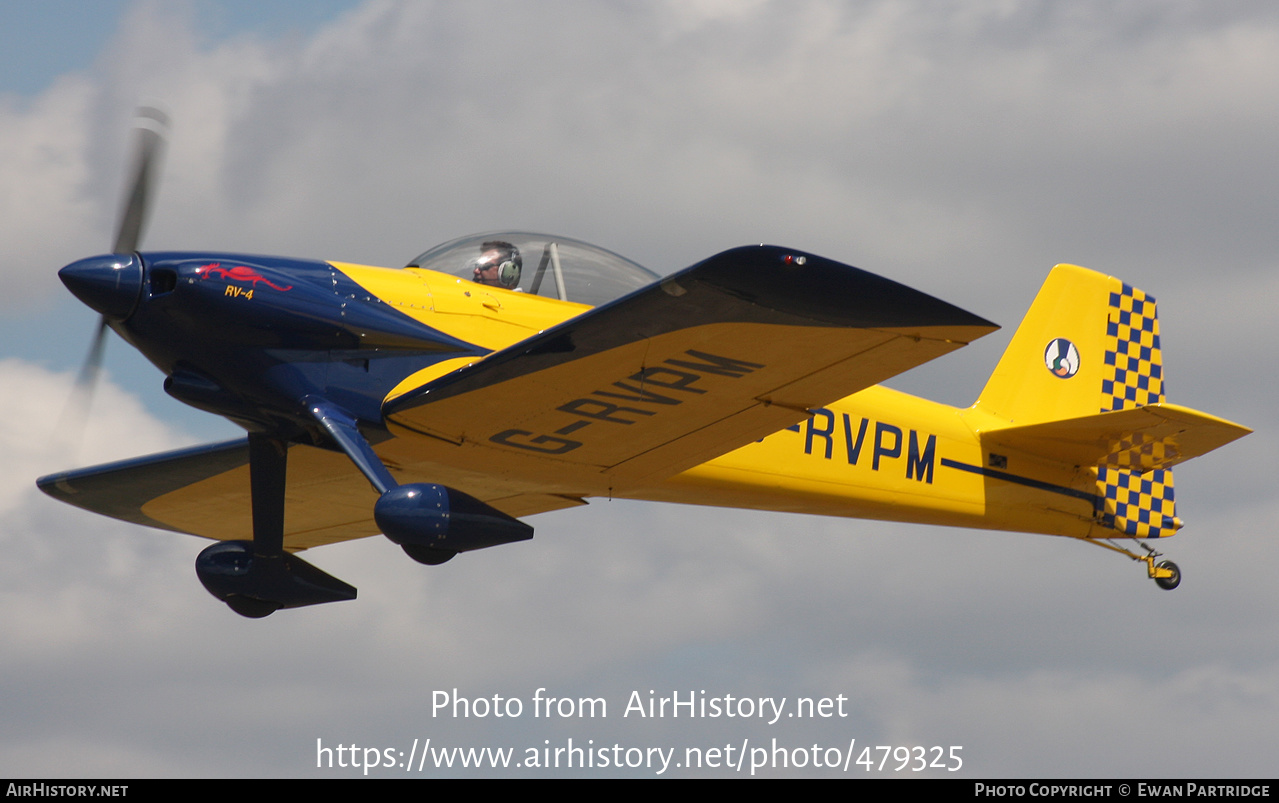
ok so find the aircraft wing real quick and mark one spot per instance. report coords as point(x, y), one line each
point(702, 362)
point(204, 491)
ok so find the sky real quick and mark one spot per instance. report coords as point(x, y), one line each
point(962, 149)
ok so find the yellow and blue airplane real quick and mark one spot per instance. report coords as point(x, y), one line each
point(508, 374)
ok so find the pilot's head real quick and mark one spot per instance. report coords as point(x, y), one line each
point(498, 264)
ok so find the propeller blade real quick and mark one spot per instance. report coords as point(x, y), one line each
point(75, 415)
point(151, 125)
point(88, 377)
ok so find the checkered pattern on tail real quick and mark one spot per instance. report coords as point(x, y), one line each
point(1140, 505)
point(1134, 364)
point(1137, 452)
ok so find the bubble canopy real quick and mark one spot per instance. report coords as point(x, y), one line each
point(541, 264)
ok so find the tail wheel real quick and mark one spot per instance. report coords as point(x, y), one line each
point(1169, 583)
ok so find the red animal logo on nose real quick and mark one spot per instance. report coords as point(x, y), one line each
point(239, 273)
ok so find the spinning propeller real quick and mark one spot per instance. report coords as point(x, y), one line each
point(103, 293)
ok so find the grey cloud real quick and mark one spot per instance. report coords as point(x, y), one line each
point(962, 151)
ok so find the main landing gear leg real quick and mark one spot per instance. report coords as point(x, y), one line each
point(268, 467)
point(1165, 573)
point(256, 578)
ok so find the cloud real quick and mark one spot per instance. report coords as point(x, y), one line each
point(960, 150)
point(43, 611)
point(44, 161)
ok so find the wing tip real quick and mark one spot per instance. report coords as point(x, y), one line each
point(826, 291)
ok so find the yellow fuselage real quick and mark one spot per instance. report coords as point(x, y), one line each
point(877, 454)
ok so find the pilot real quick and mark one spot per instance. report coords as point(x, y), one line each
point(498, 265)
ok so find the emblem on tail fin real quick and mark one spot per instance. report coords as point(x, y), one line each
point(1062, 358)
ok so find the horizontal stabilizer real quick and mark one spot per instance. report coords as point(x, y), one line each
point(1138, 439)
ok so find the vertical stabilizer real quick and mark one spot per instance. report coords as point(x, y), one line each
point(1089, 344)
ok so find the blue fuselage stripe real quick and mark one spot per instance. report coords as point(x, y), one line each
point(1091, 498)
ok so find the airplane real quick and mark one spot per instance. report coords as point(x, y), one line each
point(502, 375)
